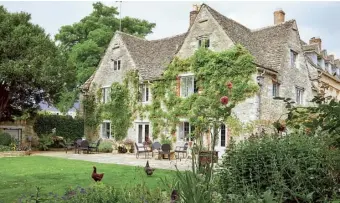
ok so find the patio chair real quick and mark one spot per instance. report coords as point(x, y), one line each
point(182, 149)
point(156, 146)
point(84, 146)
point(165, 150)
point(94, 146)
point(140, 148)
point(71, 145)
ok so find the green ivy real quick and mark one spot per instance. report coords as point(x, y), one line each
point(212, 70)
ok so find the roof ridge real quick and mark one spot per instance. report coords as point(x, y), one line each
point(130, 35)
point(226, 16)
point(272, 26)
point(184, 33)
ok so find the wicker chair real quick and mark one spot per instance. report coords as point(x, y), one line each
point(165, 150)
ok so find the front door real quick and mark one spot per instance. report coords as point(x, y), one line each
point(143, 132)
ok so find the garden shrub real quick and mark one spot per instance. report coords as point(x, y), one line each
point(5, 139)
point(295, 168)
point(65, 126)
point(100, 193)
point(45, 141)
point(4, 148)
point(105, 146)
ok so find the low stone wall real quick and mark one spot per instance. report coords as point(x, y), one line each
point(12, 154)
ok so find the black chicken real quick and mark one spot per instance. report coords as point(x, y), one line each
point(148, 170)
point(174, 196)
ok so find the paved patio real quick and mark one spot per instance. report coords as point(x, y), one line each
point(123, 159)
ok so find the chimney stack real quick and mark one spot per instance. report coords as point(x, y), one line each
point(316, 40)
point(279, 16)
point(193, 14)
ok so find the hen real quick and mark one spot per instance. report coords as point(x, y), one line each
point(95, 176)
point(148, 170)
point(174, 196)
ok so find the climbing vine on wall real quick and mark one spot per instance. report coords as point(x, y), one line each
point(212, 71)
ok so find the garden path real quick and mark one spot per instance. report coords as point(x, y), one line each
point(124, 159)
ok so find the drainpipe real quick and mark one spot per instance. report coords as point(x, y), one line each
point(260, 80)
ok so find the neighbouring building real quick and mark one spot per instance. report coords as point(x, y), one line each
point(283, 70)
point(325, 70)
point(49, 109)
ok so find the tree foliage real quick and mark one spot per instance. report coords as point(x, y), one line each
point(32, 68)
point(84, 43)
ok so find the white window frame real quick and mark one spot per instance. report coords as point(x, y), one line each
point(143, 124)
point(106, 94)
point(185, 89)
point(181, 131)
point(293, 58)
point(116, 64)
point(102, 129)
point(299, 95)
point(145, 93)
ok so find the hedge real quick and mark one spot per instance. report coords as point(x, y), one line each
point(66, 126)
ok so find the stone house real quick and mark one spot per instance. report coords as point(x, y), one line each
point(325, 70)
point(279, 56)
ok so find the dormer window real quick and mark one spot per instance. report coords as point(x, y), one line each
point(293, 58)
point(204, 42)
point(116, 64)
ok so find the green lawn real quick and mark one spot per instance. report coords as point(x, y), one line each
point(20, 175)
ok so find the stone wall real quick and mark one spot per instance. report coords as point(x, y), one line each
point(105, 74)
point(205, 25)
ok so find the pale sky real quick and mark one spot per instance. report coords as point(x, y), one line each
point(314, 19)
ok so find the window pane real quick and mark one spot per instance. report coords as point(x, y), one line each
point(143, 93)
point(115, 65)
point(146, 93)
point(190, 85)
point(104, 95)
point(183, 87)
point(186, 130)
point(207, 43)
point(140, 133)
point(118, 65)
point(108, 130)
point(223, 136)
point(146, 130)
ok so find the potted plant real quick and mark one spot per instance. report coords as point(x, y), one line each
point(122, 148)
point(129, 145)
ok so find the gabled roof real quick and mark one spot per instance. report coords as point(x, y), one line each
point(152, 56)
point(311, 47)
point(265, 44)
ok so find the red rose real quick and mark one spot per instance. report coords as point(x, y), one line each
point(224, 100)
point(229, 85)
